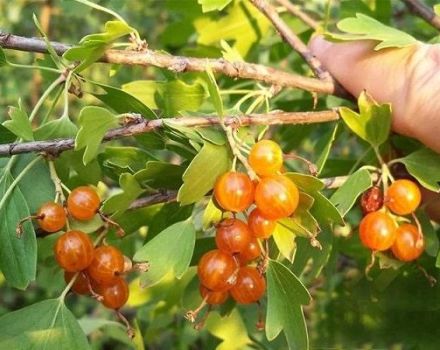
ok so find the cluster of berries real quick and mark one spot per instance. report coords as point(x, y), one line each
point(229, 270)
point(380, 230)
point(97, 270)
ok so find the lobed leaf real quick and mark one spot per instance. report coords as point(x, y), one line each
point(170, 251)
point(213, 5)
point(94, 123)
point(363, 27)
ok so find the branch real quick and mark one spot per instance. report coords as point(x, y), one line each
point(296, 43)
point(425, 12)
point(141, 126)
point(291, 38)
point(297, 12)
point(180, 64)
point(165, 196)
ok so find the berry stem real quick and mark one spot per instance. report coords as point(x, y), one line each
point(119, 230)
point(19, 228)
point(370, 265)
point(431, 279)
point(130, 331)
point(59, 194)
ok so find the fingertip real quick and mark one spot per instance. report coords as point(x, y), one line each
point(318, 46)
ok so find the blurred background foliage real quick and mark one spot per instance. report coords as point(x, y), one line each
point(396, 310)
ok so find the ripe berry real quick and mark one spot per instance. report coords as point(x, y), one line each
point(409, 244)
point(250, 286)
point(217, 270)
point(213, 298)
point(276, 197)
point(266, 158)
point(251, 252)
point(81, 285)
point(234, 191)
point(51, 217)
point(74, 251)
point(114, 295)
point(403, 197)
point(108, 262)
point(233, 236)
point(83, 203)
point(372, 200)
point(377, 231)
point(260, 226)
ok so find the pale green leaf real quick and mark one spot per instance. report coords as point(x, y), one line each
point(213, 5)
point(112, 30)
point(285, 241)
point(19, 123)
point(324, 146)
point(173, 96)
point(211, 215)
point(214, 92)
point(307, 183)
point(46, 325)
point(94, 123)
point(373, 123)
point(170, 251)
point(59, 128)
point(363, 27)
point(200, 176)
point(424, 165)
point(243, 24)
point(231, 330)
point(121, 201)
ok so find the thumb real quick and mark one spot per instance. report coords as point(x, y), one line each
point(396, 76)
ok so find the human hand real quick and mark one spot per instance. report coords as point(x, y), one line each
point(408, 78)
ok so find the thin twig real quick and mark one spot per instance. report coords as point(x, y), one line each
point(425, 12)
point(145, 126)
point(298, 12)
point(178, 64)
point(296, 43)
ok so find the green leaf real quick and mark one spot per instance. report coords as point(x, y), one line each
point(93, 46)
point(424, 165)
point(19, 123)
point(121, 201)
point(243, 24)
point(160, 175)
point(373, 123)
point(211, 215)
point(18, 257)
point(437, 9)
point(213, 135)
point(306, 252)
point(59, 128)
point(363, 27)
point(324, 146)
point(119, 160)
point(6, 136)
point(432, 243)
point(94, 122)
point(112, 30)
point(285, 295)
point(285, 241)
point(307, 183)
point(123, 102)
point(170, 250)
point(346, 195)
point(201, 174)
point(44, 326)
point(214, 92)
point(173, 96)
point(3, 60)
point(324, 210)
point(213, 5)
